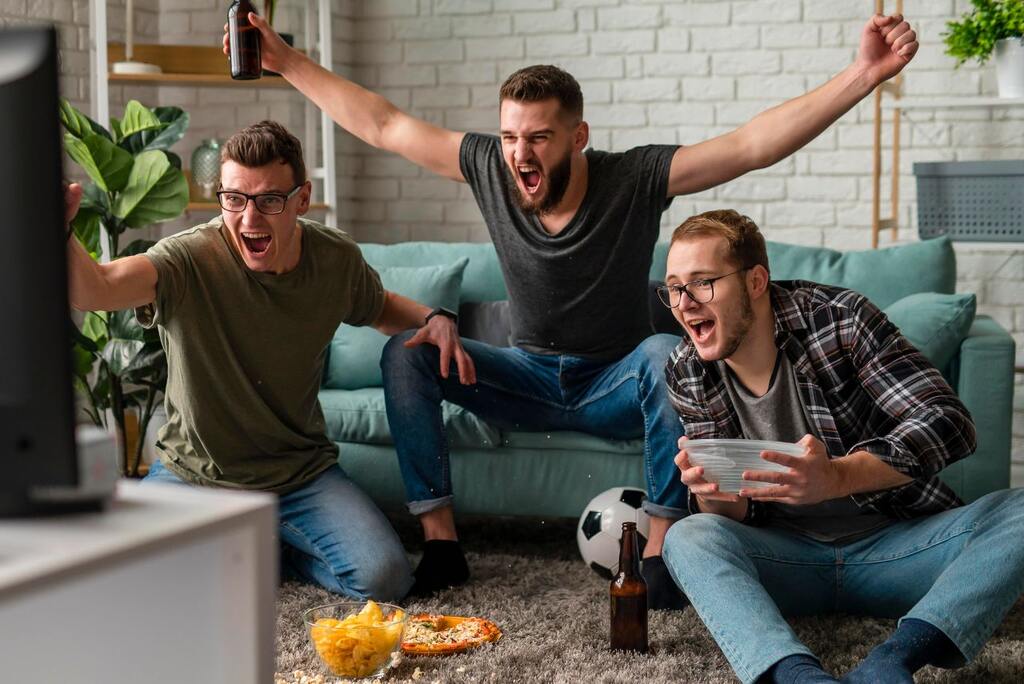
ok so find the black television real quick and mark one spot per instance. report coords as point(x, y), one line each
point(40, 470)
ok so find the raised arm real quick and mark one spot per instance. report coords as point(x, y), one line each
point(364, 114)
point(886, 45)
point(121, 284)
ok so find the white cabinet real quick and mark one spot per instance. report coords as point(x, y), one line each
point(171, 584)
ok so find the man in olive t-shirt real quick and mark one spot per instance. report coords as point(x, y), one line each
point(245, 306)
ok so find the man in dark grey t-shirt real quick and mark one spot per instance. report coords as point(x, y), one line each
point(574, 231)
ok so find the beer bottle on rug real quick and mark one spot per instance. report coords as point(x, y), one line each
point(629, 597)
point(245, 42)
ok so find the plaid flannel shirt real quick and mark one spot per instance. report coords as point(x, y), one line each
point(864, 386)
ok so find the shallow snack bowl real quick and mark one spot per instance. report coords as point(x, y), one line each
point(724, 460)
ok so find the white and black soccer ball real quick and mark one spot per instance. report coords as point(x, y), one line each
point(600, 527)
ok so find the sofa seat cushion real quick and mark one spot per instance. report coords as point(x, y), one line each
point(360, 416)
point(565, 440)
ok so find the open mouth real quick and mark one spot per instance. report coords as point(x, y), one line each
point(700, 329)
point(257, 243)
point(530, 177)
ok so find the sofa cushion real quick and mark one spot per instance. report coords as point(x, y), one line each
point(360, 416)
point(934, 323)
point(882, 275)
point(482, 282)
point(354, 358)
point(486, 322)
point(566, 440)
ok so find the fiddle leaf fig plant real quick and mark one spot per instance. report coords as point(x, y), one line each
point(134, 181)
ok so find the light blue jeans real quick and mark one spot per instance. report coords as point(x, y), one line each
point(518, 390)
point(959, 570)
point(332, 534)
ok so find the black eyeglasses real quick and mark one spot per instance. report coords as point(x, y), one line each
point(701, 291)
point(266, 202)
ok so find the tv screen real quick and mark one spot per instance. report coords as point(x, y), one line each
point(37, 433)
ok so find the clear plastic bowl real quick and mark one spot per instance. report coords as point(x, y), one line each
point(724, 460)
point(355, 647)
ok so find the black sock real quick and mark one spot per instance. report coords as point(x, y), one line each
point(662, 592)
point(798, 668)
point(914, 644)
point(443, 565)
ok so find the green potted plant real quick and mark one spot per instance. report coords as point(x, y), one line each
point(992, 26)
point(134, 181)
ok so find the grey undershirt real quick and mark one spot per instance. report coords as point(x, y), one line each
point(780, 415)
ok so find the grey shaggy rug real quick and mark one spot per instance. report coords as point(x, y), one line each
point(528, 578)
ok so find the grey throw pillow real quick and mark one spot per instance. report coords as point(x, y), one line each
point(486, 322)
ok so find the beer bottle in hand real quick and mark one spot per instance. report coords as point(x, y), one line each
point(629, 596)
point(244, 41)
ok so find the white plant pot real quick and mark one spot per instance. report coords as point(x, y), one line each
point(1010, 66)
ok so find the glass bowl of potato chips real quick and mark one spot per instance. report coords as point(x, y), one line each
point(356, 639)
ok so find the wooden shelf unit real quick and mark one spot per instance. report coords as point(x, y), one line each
point(207, 66)
point(184, 65)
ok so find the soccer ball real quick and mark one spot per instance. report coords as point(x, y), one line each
point(600, 527)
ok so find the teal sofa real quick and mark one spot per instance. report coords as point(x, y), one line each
point(557, 473)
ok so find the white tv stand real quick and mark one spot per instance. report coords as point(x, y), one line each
point(170, 584)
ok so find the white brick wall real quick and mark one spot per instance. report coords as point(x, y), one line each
point(652, 71)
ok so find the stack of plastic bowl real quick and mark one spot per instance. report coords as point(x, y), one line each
point(725, 460)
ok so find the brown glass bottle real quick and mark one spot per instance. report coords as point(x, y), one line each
point(629, 597)
point(245, 42)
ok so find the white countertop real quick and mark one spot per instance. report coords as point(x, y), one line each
point(35, 551)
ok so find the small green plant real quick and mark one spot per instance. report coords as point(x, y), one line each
point(268, 10)
point(976, 34)
point(134, 182)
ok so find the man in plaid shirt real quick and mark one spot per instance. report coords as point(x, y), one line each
point(859, 522)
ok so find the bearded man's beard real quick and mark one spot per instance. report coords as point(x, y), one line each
point(558, 183)
point(743, 325)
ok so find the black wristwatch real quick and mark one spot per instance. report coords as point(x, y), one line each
point(441, 311)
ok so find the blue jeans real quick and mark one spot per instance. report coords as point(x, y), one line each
point(332, 534)
point(517, 390)
point(960, 570)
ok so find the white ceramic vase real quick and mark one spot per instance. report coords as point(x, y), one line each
point(1009, 55)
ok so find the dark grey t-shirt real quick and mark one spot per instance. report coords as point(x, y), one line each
point(582, 292)
point(780, 415)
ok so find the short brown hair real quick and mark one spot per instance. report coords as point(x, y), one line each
point(746, 243)
point(543, 82)
point(264, 143)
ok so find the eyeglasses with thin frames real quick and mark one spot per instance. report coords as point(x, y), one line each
point(268, 203)
point(700, 291)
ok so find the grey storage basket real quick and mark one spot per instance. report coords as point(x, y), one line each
point(971, 201)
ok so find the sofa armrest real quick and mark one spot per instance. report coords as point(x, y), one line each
point(983, 379)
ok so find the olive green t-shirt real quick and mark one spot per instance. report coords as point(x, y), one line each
point(245, 354)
